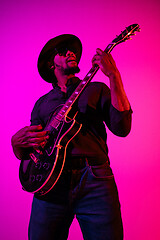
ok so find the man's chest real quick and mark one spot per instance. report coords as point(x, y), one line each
point(88, 103)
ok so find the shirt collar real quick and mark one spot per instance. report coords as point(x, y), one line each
point(70, 82)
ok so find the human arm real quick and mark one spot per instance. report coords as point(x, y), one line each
point(27, 138)
point(107, 64)
point(115, 106)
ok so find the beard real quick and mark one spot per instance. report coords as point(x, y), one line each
point(71, 70)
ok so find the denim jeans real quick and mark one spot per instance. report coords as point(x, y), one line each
point(89, 194)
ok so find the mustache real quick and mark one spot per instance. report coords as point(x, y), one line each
point(71, 58)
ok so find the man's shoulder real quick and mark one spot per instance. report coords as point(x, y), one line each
point(44, 97)
point(99, 85)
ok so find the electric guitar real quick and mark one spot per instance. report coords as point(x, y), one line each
point(41, 171)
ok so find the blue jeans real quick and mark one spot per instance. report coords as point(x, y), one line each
point(91, 195)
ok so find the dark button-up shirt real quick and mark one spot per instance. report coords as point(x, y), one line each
point(95, 111)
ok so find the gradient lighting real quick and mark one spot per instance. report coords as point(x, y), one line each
point(25, 28)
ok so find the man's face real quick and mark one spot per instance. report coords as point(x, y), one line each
point(66, 62)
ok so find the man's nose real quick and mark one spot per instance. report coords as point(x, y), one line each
point(70, 53)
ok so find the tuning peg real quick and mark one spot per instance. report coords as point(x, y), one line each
point(128, 38)
point(127, 29)
point(138, 30)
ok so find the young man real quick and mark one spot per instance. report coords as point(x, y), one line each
point(86, 188)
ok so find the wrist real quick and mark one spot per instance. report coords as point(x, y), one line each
point(114, 76)
point(21, 153)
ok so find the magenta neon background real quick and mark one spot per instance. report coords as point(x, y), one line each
point(25, 27)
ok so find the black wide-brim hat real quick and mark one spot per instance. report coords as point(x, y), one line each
point(48, 51)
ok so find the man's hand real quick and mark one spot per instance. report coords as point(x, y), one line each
point(27, 137)
point(106, 63)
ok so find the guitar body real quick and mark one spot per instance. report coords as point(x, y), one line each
point(40, 173)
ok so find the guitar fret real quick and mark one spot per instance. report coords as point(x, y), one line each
point(58, 117)
point(67, 106)
point(89, 74)
point(79, 88)
point(92, 70)
point(61, 113)
point(55, 123)
point(83, 82)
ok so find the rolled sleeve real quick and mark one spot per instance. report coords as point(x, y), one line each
point(35, 118)
point(120, 121)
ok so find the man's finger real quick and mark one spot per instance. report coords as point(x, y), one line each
point(35, 128)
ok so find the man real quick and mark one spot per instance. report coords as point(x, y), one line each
point(86, 187)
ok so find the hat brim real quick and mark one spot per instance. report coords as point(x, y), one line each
point(48, 50)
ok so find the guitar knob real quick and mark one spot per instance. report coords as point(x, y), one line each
point(39, 178)
point(32, 178)
point(46, 166)
point(38, 165)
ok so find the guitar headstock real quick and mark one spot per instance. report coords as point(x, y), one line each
point(127, 33)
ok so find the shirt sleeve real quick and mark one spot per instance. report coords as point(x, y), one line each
point(35, 118)
point(118, 122)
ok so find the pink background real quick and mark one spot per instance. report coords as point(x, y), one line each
point(25, 27)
